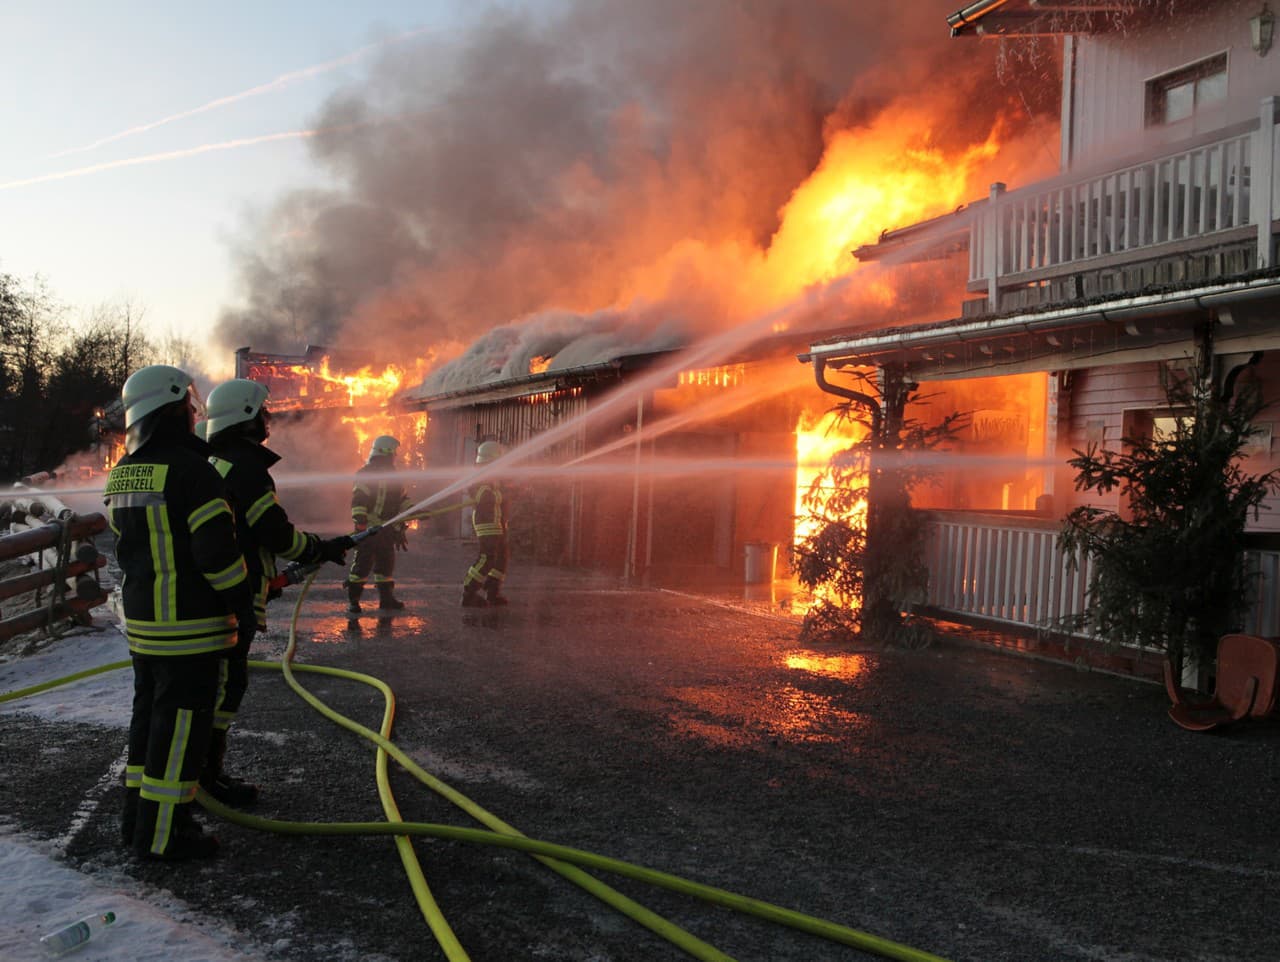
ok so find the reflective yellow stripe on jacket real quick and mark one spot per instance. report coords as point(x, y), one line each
point(191, 636)
point(491, 527)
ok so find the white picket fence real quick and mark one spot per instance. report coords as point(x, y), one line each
point(1010, 569)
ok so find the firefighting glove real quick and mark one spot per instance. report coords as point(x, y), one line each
point(335, 549)
point(402, 540)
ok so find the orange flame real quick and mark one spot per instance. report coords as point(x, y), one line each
point(409, 429)
point(724, 375)
point(539, 364)
point(365, 386)
point(871, 179)
point(887, 174)
point(817, 442)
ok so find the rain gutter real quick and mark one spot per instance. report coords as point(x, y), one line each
point(1124, 312)
point(970, 15)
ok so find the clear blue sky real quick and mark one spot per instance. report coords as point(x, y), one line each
point(75, 72)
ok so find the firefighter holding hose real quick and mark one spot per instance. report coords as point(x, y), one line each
point(238, 424)
point(187, 602)
point(490, 525)
point(376, 498)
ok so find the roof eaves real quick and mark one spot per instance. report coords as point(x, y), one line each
point(1265, 283)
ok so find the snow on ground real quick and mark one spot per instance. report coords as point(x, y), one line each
point(39, 893)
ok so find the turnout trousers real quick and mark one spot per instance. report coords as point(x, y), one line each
point(490, 567)
point(376, 555)
point(173, 707)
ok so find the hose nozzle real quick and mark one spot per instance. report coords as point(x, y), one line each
point(368, 532)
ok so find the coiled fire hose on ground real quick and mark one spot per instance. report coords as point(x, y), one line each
point(569, 862)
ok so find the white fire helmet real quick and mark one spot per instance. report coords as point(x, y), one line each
point(384, 446)
point(149, 390)
point(234, 402)
point(488, 451)
point(201, 430)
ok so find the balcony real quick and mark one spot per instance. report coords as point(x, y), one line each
point(1203, 212)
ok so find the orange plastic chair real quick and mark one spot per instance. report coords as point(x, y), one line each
point(1246, 686)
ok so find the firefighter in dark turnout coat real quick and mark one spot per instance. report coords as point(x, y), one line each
point(489, 522)
point(186, 600)
point(237, 425)
point(375, 500)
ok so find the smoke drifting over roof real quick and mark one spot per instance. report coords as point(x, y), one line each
point(607, 179)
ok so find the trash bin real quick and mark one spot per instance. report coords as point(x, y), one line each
point(761, 559)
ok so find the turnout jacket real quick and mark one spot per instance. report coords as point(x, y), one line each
point(487, 519)
point(184, 577)
point(376, 501)
point(263, 527)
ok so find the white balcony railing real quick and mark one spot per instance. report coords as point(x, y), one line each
point(1212, 188)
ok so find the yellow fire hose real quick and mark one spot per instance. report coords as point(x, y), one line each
point(569, 862)
point(435, 920)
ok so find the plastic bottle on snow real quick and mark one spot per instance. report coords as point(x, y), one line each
point(76, 934)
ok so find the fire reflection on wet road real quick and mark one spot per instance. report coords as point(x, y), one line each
point(789, 712)
point(845, 667)
point(343, 629)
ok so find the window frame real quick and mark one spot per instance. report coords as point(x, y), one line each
point(1159, 87)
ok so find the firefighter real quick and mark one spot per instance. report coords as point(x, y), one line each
point(186, 599)
point(490, 525)
point(237, 425)
point(375, 500)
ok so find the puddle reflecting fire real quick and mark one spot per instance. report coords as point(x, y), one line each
point(833, 666)
point(736, 718)
point(343, 629)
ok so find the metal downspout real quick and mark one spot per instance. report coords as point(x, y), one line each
point(866, 400)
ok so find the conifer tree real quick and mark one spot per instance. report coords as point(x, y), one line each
point(1167, 570)
point(864, 560)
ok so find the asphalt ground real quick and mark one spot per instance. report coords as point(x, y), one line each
point(963, 801)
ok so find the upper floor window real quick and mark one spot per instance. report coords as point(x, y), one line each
point(1177, 95)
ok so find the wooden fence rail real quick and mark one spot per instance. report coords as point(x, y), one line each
point(58, 543)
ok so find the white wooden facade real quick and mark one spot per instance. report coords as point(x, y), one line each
point(1153, 233)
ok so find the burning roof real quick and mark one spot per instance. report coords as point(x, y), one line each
point(319, 378)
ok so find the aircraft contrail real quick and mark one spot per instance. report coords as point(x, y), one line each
point(157, 158)
point(284, 80)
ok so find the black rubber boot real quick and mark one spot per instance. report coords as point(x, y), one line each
point(386, 596)
point(493, 593)
point(471, 596)
point(129, 818)
point(187, 840)
point(354, 591)
point(229, 791)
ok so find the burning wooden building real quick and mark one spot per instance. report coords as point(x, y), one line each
point(678, 484)
point(326, 408)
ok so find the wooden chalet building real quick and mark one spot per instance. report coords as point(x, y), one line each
point(1155, 245)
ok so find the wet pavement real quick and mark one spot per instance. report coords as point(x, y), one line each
point(967, 802)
